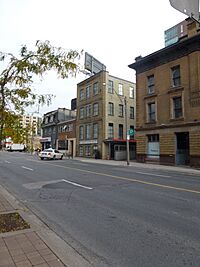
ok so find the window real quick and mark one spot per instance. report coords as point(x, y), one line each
point(80, 151)
point(87, 150)
point(95, 88)
point(110, 130)
point(176, 76)
point(110, 109)
point(121, 110)
point(131, 92)
point(87, 93)
point(81, 113)
point(82, 94)
point(178, 112)
point(132, 115)
point(153, 137)
point(87, 131)
point(151, 84)
point(81, 132)
point(120, 131)
point(120, 89)
point(95, 109)
point(95, 130)
point(110, 87)
point(88, 110)
point(151, 112)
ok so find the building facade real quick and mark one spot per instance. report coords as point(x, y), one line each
point(168, 102)
point(101, 119)
point(67, 137)
point(50, 124)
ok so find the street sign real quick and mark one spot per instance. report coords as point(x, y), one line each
point(187, 7)
point(131, 132)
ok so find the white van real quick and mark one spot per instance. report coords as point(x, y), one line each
point(16, 147)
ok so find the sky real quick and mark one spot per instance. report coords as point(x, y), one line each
point(113, 31)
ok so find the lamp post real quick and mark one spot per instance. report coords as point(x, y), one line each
point(127, 132)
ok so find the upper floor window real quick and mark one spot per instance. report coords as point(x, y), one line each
point(110, 109)
point(88, 110)
point(151, 112)
point(131, 92)
point(121, 109)
point(81, 132)
point(110, 130)
point(120, 131)
point(176, 76)
point(87, 92)
point(151, 84)
point(81, 113)
point(132, 115)
point(95, 109)
point(82, 95)
point(110, 87)
point(95, 88)
point(177, 102)
point(95, 130)
point(120, 89)
point(88, 131)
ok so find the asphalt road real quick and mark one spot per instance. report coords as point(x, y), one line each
point(112, 215)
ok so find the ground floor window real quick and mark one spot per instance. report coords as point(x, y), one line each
point(88, 150)
point(153, 146)
point(80, 151)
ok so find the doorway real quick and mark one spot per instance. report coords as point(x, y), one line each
point(182, 148)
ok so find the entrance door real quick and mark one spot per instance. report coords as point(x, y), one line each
point(72, 148)
point(182, 148)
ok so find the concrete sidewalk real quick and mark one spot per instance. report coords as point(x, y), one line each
point(24, 248)
point(184, 169)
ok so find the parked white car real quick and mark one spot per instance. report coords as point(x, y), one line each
point(50, 153)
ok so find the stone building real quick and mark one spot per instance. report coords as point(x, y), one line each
point(168, 102)
point(101, 121)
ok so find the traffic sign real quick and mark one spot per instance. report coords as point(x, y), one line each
point(131, 132)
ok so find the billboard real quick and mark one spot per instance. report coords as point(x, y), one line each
point(187, 7)
point(92, 64)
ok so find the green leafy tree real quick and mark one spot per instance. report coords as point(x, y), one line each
point(17, 78)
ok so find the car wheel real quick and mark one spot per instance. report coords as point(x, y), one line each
point(61, 157)
point(41, 158)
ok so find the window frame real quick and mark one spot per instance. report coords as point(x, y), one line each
point(176, 78)
point(120, 89)
point(151, 84)
point(150, 112)
point(110, 109)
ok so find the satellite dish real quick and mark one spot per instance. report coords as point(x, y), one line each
point(187, 7)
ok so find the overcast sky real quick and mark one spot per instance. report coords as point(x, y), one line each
point(113, 31)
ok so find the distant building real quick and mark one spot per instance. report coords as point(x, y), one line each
point(31, 122)
point(100, 127)
point(173, 34)
point(67, 137)
point(73, 103)
point(50, 124)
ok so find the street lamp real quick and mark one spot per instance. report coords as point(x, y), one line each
point(127, 132)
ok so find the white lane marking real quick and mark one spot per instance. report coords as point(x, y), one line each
point(86, 187)
point(153, 174)
point(27, 168)
point(7, 161)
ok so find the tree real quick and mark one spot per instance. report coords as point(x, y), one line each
point(16, 80)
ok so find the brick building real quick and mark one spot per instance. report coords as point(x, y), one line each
point(101, 127)
point(168, 102)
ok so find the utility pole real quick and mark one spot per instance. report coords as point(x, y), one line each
point(126, 130)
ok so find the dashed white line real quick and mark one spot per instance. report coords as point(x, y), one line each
point(153, 174)
point(7, 161)
point(27, 168)
point(69, 182)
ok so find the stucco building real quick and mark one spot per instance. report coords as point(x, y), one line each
point(168, 102)
point(101, 128)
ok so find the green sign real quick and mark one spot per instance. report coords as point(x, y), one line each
point(131, 132)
